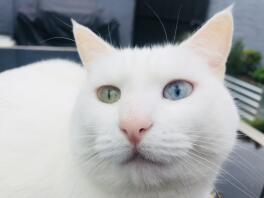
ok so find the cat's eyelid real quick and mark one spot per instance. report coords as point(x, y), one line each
point(106, 85)
point(193, 83)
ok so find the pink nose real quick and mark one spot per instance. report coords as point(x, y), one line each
point(135, 129)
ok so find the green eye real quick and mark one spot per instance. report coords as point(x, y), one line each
point(108, 94)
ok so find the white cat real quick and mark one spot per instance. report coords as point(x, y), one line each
point(147, 123)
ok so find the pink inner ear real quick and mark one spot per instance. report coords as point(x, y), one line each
point(89, 45)
point(213, 41)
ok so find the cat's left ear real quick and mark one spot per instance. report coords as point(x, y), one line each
point(213, 41)
point(89, 45)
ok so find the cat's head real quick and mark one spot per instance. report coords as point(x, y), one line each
point(155, 116)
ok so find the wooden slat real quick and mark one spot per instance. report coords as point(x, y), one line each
point(244, 84)
point(246, 115)
point(252, 132)
point(245, 99)
point(248, 97)
point(243, 91)
point(247, 108)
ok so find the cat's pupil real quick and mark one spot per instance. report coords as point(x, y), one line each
point(109, 94)
point(177, 90)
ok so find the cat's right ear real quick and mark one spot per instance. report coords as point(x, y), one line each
point(213, 41)
point(89, 45)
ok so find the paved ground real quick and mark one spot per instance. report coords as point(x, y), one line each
point(243, 174)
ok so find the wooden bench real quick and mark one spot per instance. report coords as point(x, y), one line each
point(249, 98)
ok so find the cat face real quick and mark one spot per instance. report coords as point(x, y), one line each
point(154, 117)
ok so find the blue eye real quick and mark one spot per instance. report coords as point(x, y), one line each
point(177, 90)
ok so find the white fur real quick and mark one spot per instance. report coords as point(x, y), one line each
point(204, 123)
point(35, 107)
point(58, 140)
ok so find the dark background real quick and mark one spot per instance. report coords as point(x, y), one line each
point(36, 22)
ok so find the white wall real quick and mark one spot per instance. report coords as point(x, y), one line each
point(249, 20)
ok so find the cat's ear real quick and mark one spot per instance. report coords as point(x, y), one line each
point(89, 45)
point(213, 41)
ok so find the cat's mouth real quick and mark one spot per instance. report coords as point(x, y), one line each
point(138, 158)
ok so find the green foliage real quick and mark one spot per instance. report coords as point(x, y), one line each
point(258, 75)
point(242, 62)
point(258, 124)
point(234, 64)
point(251, 60)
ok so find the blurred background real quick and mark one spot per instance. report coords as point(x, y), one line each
point(32, 30)
point(132, 22)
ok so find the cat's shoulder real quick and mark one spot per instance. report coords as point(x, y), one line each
point(36, 102)
point(47, 68)
point(31, 85)
point(50, 75)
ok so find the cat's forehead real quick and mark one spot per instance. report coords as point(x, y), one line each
point(151, 63)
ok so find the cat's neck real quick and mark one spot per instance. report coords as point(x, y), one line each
point(193, 193)
point(201, 191)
